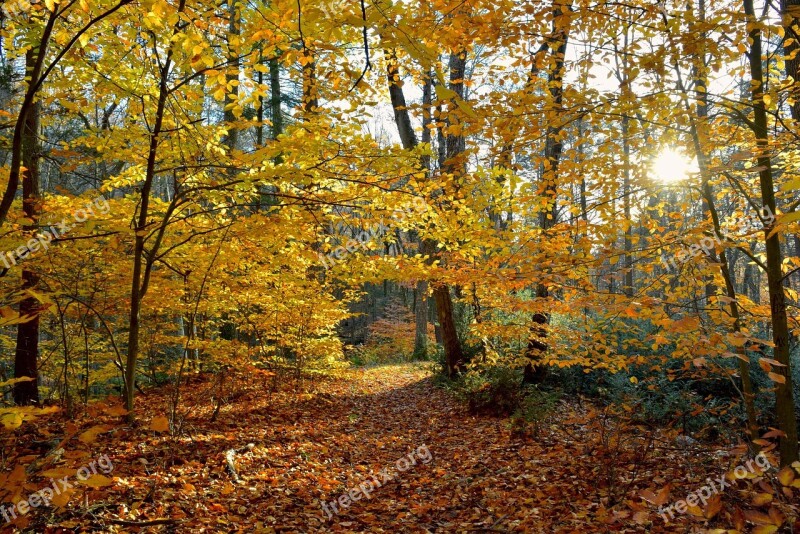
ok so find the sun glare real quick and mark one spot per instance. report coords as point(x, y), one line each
point(671, 166)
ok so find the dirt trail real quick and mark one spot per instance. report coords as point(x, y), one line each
point(353, 430)
point(312, 443)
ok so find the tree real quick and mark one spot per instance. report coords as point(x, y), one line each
point(784, 398)
point(27, 350)
point(537, 344)
point(441, 292)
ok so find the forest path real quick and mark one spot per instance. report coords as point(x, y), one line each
point(427, 464)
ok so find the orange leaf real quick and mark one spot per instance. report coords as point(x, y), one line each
point(652, 498)
point(738, 519)
point(775, 377)
point(758, 518)
point(18, 474)
point(663, 495)
point(776, 516)
point(648, 496)
point(713, 507)
point(159, 424)
point(117, 410)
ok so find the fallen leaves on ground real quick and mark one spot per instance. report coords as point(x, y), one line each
point(313, 440)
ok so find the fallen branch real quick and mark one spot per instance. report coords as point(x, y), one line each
point(230, 460)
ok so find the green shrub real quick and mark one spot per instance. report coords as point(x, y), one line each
point(535, 407)
point(495, 391)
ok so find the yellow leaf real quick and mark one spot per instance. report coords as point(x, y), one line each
point(90, 435)
point(695, 511)
point(761, 499)
point(62, 499)
point(97, 481)
point(787, 218)
point(443, 93)
point(11, 421)
point(791, 185)
point(15, 380)
point(466, 108)
point(59, 472)
point(786, 476)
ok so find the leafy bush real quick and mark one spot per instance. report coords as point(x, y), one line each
point(534, 408)
point(656, 400)
point(498, 391)
point(495, 391)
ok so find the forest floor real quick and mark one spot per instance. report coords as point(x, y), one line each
point(427, 464)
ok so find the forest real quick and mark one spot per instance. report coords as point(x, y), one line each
point(400, 266)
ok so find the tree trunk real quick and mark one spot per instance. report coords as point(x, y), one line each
point(421, 292)
point(34, 65)
point(421, 320)
point(785, 410)
point(454, 358)
point(627, 288)
point(27, 350)
point(623, 76)
point(536, 370)
point(276, 115)
point(310, 99)
point(453, 164)
point(791, 50)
